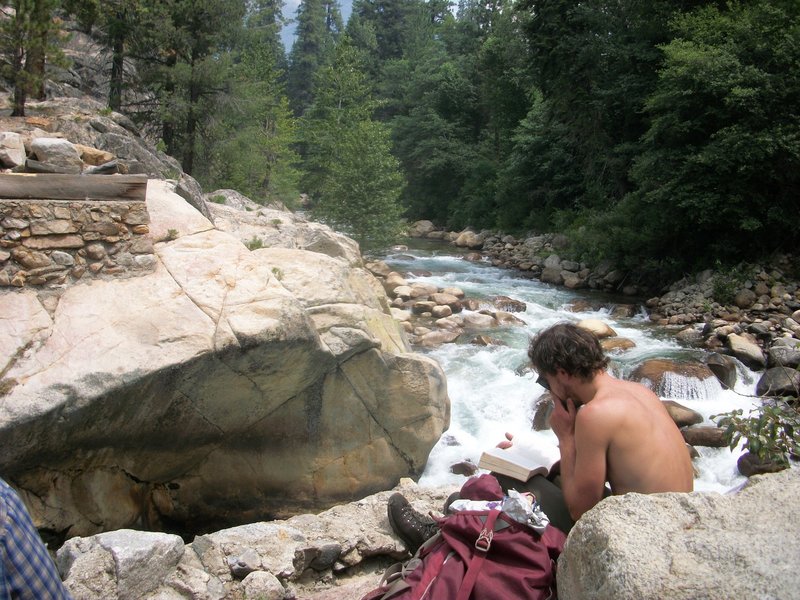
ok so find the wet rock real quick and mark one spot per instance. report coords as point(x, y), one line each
point(683, 416)
point(660, 373)
point(617, 345)
point(724, 368)
point(711, 437)
point(749, 464)
point(509, 304)
point(466, 468)
point(746, 350)
point(779, 381)
point(597, 327)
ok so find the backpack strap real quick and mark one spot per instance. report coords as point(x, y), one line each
point(482, 545)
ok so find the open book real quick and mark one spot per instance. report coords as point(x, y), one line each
point(518, 462)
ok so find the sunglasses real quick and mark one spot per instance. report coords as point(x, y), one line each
point(543, 382)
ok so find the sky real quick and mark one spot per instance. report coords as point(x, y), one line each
point(290, 11)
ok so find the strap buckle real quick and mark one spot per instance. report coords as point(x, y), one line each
point(484, 540)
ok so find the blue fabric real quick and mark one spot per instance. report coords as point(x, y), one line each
point(28, 572)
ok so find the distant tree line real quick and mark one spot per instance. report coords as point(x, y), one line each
point(663, 135)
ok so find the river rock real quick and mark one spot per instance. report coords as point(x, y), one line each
point(441, 311)
point(542, 409)
point(682, 415)
point(224, 387)
point(750, 464)
point(784, 352)
point(479, 321)
point(724, 367)
point(779, 381)
point(597, 327)
point(509, 304)
point(747, 350)
point(711, 437)
point(470, 239)
point(552, 275)
point(432, 339)
point(394, 280)
point(667, 377)
point(420, 229)
point(617, 344)
point(687, 546)
point(449, 300)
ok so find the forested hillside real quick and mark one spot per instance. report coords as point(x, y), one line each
point(664, 135)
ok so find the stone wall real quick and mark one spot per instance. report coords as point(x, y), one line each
point(52, 243)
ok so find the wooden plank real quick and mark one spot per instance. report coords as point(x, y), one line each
point(28, 186)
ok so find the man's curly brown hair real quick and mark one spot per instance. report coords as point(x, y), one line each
point(569, 347)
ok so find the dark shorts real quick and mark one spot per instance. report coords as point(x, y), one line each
point(549, 495)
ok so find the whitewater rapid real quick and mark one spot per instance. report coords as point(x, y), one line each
point(491, 393)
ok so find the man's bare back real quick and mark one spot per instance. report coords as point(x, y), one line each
point(646, 452)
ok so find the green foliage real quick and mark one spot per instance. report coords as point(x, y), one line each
point(721, 161)
point(771, 431)
point(172, 234)
point(28, 40)
point(254, 243)
point(351, 173)
point(318, 26)
point(218, 199)
point(726, 283)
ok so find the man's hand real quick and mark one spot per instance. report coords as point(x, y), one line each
point(562, 419)
point(507, 443)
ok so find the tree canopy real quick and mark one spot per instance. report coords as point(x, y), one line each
point(661, 133)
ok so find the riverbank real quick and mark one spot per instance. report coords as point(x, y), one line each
point(758, 303)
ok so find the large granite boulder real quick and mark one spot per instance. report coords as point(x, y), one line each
point(688, 546)
point(227, 386)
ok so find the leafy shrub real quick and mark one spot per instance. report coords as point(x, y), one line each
point(172, 234)
point(255, 243)
point(218, 199)
point(771, 431)
point(725, 284)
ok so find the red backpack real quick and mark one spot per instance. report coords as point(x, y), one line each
point(478, 555)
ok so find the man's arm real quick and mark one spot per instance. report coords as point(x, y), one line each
point(29, 571)
point(583, 443)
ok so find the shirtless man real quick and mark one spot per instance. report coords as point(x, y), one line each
point(608, 430)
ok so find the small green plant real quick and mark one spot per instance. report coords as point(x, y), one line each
point(276, 222)
point(105, 112)
point(161, 146)
point(255, 243)
point(218, 199)
point(725, 284)
point(172, 234)
point(771, 431)
point(278, 273)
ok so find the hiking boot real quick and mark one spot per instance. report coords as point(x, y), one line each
point(412, 527)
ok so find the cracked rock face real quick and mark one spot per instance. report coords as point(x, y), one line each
point(227, 386)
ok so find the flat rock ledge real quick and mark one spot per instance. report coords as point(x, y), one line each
point(339, 553)
point(688, 546)
point(702, 545)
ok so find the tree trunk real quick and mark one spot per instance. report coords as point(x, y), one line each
point(117, 74)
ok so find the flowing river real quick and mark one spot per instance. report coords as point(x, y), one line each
point(488, 394)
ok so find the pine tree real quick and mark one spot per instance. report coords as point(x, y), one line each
point(319, 22)
point(250, 147)
point(27, 41)
point(352, 176)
